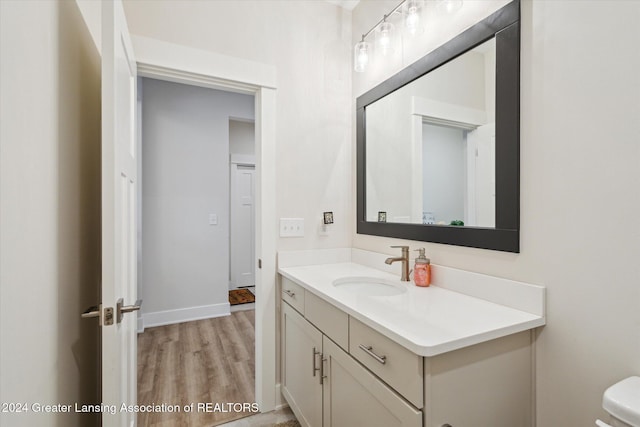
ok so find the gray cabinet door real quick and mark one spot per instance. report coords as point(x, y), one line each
point(355, 397)
point(301, 353)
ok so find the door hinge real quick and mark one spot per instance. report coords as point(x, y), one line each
point(259, 263)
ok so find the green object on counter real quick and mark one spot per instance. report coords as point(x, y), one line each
point(457, 222)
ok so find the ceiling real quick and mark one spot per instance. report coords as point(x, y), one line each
point(347, 4)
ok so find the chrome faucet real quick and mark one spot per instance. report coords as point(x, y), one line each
point(405, 262)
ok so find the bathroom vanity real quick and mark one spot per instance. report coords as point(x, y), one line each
point(361, 348)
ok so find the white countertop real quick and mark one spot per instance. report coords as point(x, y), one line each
point(428, 321)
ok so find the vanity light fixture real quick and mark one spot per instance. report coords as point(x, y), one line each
point(385, 34)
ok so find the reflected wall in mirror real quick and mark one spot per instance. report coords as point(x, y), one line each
point(438, 149)
point(430, 155)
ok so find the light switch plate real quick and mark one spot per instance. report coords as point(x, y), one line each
point(213, 219)
point(291, 227)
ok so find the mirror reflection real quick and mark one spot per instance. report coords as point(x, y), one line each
point(430, 146)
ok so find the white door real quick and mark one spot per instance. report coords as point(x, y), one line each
point(242, 226)
point(118, 216)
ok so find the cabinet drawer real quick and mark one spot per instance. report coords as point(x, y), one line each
point(394, 364)
point(293, 294)
point(332, 321)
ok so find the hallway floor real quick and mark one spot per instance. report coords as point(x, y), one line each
point(201, 362)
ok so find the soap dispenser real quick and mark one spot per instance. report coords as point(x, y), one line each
point(422, 270)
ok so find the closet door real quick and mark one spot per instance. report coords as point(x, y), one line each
point(242, 226)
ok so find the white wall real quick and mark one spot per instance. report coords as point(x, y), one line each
point(580, 165)
point(185, 177)
point(50, 210)
point(390, 157)
point(309, 44)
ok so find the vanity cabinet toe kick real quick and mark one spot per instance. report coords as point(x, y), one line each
point(337, 371)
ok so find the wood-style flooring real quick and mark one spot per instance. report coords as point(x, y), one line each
point(205, 361)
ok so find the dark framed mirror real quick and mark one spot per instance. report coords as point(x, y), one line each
point(438, 144)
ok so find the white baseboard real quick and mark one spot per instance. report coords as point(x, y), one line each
point(169, 317)
point(243, 307)
point(140, 324)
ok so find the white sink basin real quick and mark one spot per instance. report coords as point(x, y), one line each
point(370, 286)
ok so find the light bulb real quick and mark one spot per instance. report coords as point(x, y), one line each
point(412, 17)
point(450, 6)
point(361, 56)
point(384, 37)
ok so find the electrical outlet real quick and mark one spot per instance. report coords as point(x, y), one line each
point(323, 230)
point(291, 227)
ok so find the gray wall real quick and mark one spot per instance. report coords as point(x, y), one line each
point(444, 172)
point(242, 137)
point(185, 177)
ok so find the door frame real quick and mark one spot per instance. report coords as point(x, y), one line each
point(182, 64)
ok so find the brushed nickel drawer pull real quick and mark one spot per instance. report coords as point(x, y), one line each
point(290, 293)
point(369, 350)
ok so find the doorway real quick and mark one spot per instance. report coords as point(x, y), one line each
point(192, 350)
point(242, 205)
point(172, 62)
point(186, 193)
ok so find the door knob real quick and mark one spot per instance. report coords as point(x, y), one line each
point(121, 309)
point(93, 311)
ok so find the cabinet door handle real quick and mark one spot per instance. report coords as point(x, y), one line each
point(290, 293)
point(313, 356)
point(322, 375)
point(369, 350)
